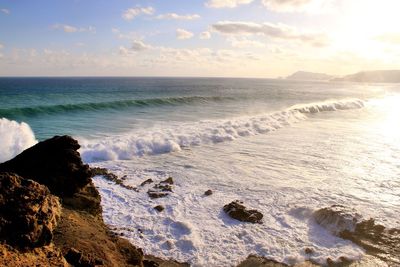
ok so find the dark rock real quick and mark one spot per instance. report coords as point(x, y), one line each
point(161, 189)
point(148, 181)
point(308, 250)
point(29, 213)
point(150, 263)
point(377, 240)
point(169, 180)
point(159, 208)
point(55, 163)
point(87, 199)
point(337, 218)
point(78, 259)
point(208, 192)
point(112, 177)
point(237, 211)
point(156, 194)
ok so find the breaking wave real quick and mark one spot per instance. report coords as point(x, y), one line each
point(116, 105)
point(165, 140)
point(15, 137)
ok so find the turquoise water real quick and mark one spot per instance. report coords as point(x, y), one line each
point(98, 106)
point(285, 148)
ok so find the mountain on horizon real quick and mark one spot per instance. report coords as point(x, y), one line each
point(309, 76)
point(375, 76)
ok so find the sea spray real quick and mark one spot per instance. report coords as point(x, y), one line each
point(170, 139)
point(15, 137)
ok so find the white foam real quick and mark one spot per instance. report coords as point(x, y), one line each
point(169, 139)
point(15, 137)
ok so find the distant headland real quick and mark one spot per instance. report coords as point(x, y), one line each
point(375, 76)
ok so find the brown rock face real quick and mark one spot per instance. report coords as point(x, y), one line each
point(29, 213)
point(237, 211)
point(55, 163)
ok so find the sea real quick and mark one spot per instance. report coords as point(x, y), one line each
point(286, 148)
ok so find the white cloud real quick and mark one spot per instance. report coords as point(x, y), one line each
point(5, 11)
point(178, 17)
point(244, 42)
point(226, 3)
point(182, 34)
point(72, 29)
point(276, 31)
point(138, 45)
point(1, 46)
point(205, 35)
point(315, 6)
point(131, 13)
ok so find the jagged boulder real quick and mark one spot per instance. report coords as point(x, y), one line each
point(238, 211)
point(29, 213)
point(337, 218)
point(55, 163)
point(376, 239)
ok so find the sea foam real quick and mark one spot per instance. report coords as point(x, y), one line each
point(169, 139)
point(15, 137)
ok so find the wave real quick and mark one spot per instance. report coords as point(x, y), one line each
point(116, 105)
point(15, 137)
point(165, 140)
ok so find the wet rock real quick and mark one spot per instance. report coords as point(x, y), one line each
point(159, 208)
point(308, 250)
point(29, 213)
point(112, 177)
point(238, 211)
point(150, 263)
point(169, 180)
point(161, 189)
point(148, 181)
point(208, 192)
point(55, 163)
point(377, 240)
point(156, 194)
point(337, 218)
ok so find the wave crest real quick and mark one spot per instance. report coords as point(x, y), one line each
point(158, 141)
point(15, 138)
point(116, 105)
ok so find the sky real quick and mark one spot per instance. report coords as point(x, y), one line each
point(199, 38)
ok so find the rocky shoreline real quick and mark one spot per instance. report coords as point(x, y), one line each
point(51, 215)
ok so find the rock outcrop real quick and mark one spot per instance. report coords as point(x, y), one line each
point(35, 230)
point(29, 213)
point(238, 211)
point(55, 163)
point(377, 240)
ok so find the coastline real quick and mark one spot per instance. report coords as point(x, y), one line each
point(81, 237)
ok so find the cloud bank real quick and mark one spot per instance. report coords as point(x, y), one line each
point(276, 31)
point(226, 3)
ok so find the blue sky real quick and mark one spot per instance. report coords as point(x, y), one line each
point(236, 38)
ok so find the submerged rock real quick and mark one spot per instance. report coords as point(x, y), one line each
point(29, 213)
point(159, 208)
point(112, 177)
point(337, 218)
point(208, 192)
point(376, 239)
point(169, 180)
point(55, 163)
point(148, 181)
point(161, 189)
point(237, 211)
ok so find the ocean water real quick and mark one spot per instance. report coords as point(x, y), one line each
point(285, 148)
